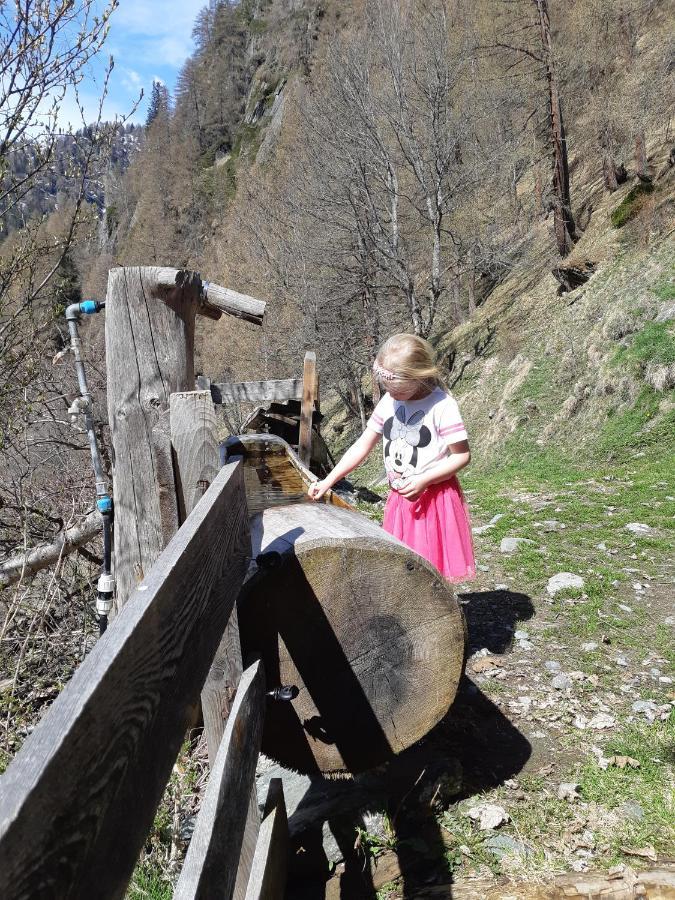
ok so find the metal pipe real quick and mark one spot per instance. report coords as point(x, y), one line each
point(104, 504)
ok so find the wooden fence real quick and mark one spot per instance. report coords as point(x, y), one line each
point(80, 797)
point(78, 800)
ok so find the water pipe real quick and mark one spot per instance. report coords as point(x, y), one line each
point(104, 504)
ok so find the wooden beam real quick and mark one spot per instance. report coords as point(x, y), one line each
point(257, 391)
point(270, 864)
point(233, 303)
point(194, 438)
point(307, 409)
point(79, 798)
point(195, 445)
point(210, 867)
point(149, 333)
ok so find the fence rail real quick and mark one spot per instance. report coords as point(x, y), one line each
point(79, 798)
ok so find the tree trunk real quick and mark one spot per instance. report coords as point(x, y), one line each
point(563, 222)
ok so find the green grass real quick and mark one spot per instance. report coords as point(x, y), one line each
point(655, 343)
point(652, 785)
point(149, 883)
point(631, 204)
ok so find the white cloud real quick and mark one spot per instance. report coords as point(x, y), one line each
point(161, 31)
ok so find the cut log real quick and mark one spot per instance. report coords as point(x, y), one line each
point(368, 631)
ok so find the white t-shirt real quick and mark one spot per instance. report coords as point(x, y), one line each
point(416, 433)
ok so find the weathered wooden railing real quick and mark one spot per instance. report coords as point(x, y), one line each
point(78, 800)
point(305, 389)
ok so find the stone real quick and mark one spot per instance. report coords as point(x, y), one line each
point(589, 647)
point(488, 816)
point(521, 635)
point(632, 810)
point(481, 529)
point(526, 645)
point(511, 544)
point(648, 708)
point(501, 587)
point(600, 721)
point(569, 790)
point(561, 682)
point(496, 518)
point(638, 528)
point(503, 844)
point(564, 581)
point(621, 660)
point(551, 665)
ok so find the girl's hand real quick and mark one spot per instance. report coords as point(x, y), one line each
point(412, 487)
point(317, 489)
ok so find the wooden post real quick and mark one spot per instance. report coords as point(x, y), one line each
point(307, 408)
point(149, 355)
point(197, 459)
point(194, 439)
point(212, 861)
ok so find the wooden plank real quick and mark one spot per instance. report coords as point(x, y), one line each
point(210, 867)
point(257, 391)
point(149, 333)
point(307, 410)
point(194, 438)
point(248, 845)
point(79, 798)
point(270, 864)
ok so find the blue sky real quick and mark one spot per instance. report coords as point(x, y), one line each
point(148, 39)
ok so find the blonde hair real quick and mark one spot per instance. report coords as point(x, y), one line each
point(411, 359)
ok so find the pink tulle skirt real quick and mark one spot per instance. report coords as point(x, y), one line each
point(436, 525)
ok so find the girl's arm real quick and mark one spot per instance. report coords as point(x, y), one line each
point(460, 456)
point(352, 458)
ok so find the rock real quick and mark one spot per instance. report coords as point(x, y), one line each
point(569, 790)
point(495, 519)
point(638, 528)
point(600, 721)
point(503, 844)
point(551, 665)
point(481, 529)
point(621, 660)
point(511, 544)
point(488, 816)
point(589, 647)
point(501, 587)
point(564, 581)
point(521, 635)
point(666, 313)
point(632, 810)
point(526, 645)
point(561, 682)
point(648, 708)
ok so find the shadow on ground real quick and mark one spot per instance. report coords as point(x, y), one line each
point(474, 748)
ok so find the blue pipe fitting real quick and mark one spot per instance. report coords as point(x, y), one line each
point(104, 504)
point(90, 306)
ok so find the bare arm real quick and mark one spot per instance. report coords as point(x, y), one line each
point(352, 458)
point(459, 457)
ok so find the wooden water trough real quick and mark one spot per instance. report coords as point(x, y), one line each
point(369, 632)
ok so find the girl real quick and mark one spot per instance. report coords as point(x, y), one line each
point(425, 445)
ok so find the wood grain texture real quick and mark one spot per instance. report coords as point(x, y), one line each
point(248, 846)
point(307, 407)
point(268, 874)
point(78, 799)
point(257, 391)
point(210, 868)
point(149, 333)
point(194, 438)
point(369, 632)
point(242, 306)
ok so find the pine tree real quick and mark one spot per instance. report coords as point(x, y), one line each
point(159, 102)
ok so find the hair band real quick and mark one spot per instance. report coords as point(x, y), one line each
point(386, 374)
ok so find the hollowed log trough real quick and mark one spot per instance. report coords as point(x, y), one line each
point(370, 633)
